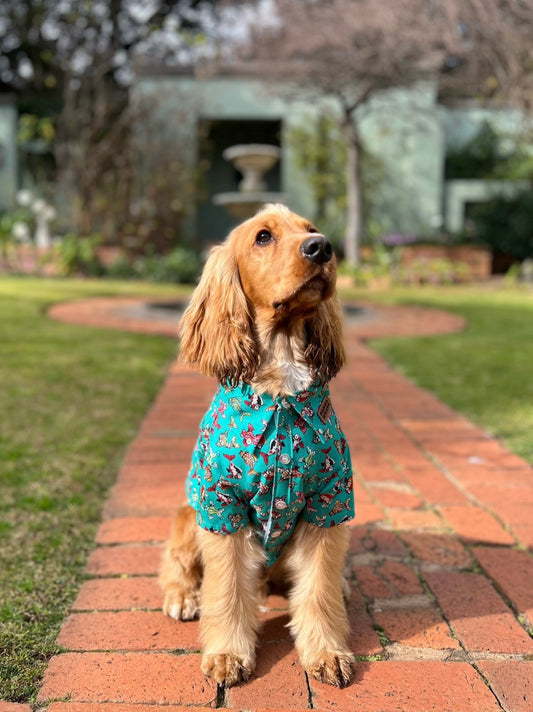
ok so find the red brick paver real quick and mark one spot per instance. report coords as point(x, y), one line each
point(419, 686)
point(14, 707)
point(440, 571)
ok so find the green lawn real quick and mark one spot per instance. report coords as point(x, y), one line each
point(485, 372)
point(71, 398)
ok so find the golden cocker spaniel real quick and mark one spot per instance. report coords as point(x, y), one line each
point(270, 487)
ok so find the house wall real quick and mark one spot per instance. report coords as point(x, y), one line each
point(194, 102)
point(8, 152)
point(402, 129)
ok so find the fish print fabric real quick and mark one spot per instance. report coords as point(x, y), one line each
point(266, 461)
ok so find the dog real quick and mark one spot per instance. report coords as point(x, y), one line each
point(270, 487)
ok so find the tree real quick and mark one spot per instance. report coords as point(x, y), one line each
point(353, 49)
point(41, 41)
point(75, 59)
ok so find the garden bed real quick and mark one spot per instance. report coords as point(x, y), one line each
point(477, 258)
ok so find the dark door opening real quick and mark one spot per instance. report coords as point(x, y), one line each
point(213, 221)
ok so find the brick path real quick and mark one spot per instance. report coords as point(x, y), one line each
point(442, 589)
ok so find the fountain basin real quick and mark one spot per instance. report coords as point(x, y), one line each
point(252, 160)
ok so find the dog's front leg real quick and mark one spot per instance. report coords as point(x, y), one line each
point(319, 621)
point(229, 604)
point(180, 574)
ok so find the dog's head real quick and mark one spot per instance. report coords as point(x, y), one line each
point(273, 272)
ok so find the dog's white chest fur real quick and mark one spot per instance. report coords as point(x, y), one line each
point(296, 377)
point(283, 369)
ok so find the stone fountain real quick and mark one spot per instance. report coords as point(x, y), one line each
point(253, 160)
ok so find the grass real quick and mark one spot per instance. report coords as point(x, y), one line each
point(486, 371)
point(71, 399)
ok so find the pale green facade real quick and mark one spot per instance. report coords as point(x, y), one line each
point(8, 151)
point(401, 129)
point(406, 132)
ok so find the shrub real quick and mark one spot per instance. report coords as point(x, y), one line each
point(79, 256)
point(378, 265)
point(476, 159)
point(121, 268)
point(506, 224)
point(181, 266)
point(433, 271)
point(382, 267)
point(485, 157)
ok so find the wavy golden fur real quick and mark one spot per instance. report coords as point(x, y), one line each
point(265, 312)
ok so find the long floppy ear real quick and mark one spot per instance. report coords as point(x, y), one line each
point(215, 330)
point(325, 349)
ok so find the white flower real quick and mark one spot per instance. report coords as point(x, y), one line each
point(21, 232)
point(43, 210)
point(38, 206)
point(49, 212)
point(24, 198)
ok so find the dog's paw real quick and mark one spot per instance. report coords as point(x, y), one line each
point(333, 667)
point(226, 669)
point(181, 604)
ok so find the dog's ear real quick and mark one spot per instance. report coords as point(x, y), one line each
point(325, 349)
point(215, 330)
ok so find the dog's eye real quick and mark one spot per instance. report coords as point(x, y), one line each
point(311, 229)
point(263, 237)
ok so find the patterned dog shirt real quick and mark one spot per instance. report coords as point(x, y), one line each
point(266, 461)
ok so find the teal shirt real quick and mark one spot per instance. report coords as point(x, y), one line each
point(266, 461)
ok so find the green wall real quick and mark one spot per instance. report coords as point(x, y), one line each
point(406, 131)
point(8, 151)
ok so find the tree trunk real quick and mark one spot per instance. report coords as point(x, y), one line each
point(354, 209)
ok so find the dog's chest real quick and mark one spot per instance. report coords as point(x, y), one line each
point(296, 377)
point(283, 368)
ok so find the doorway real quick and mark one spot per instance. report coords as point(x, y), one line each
point(213, 221)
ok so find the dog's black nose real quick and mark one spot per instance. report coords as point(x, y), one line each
point(317, 249)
